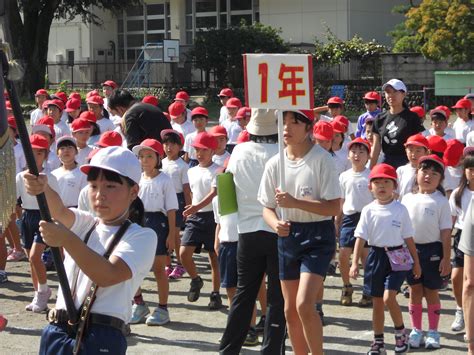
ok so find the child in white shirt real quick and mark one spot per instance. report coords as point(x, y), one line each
point(221, 155)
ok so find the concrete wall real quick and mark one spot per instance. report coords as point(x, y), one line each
point(414, 69)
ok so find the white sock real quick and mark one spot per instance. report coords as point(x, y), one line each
point(42, 287)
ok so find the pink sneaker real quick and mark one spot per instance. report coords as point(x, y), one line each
point(178, 272)
point(168, 270)
point(3, 323)
point(16, 255)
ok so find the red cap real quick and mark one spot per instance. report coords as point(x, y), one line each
point(44, 107)
point(432, 157)
point(244, 112)
point(39, 142)
point(205, 141)
point(323, 130)
point(41, 92)
point(8, 105)
point(218, 131)
point(94, 92)
point(226, 92)
point(80, 124)
point(309, 114)
point(342, 119)
point(372, 96)
point(11, 122)
point(75, 95)
point(47, 120)
point(149, 143)
point(176, 109)
point(73, 105)
point(182, 95)
point(437, 144)
point(338, 127)
point(233, 102)
point(243, 137)
point(56, 102)
point(440, 111)
point(359, 140)
point(95, 99)
point(60, 95)
point(110, 83)
point(164, 132)
point(383, 171)
point(446, 109)
point(109, 139)
point(88, 116)
point(335, 100)
point(44, 124)
point(417, 139)
point(420, 111)
point(453, 152)
point(199, 111)
point(463, 103)
point(150, 99)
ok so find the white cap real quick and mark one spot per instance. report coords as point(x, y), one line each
point(66, 138)
point(117, 159)
point(396, 84)
point(263, 122)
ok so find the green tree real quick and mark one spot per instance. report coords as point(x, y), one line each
point(220, 50)
point(440, 30)
point(335, 51)
point(28, 23)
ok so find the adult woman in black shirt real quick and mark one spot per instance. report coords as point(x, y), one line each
point(393, 127)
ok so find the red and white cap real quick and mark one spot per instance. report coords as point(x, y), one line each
point(463, 103)
point(118, 160)
point(151, 144)
point(167, 131)
point(205, 141)
point(94, 92)
point(56, 102)
point(199, 111)
point(109, 139)
point(218, 131)
point(361, 141)
point(41, 92)
point(335, 100)
point(150, 99)
point(383, 171)
point(110, 83)
point(44, 124)
point(418, 140)
point(73, 105)
point(433, 158)
point(420, 111)
point(75, 95)
point(244, 112)
point(66, 138)
point(323, 130)
point(233, 102)
point(440, 111)
point(60, 96)
point(95, 99)
point(88, 116)
point(176, 108)
point(372, 96)
point(338, 127)
point(39, 142)
point(181, 95)
point(226, 92)
point(309, 114)
point(342, 119)
point(80, 124)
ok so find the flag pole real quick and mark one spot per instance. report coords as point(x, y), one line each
point(281, 155)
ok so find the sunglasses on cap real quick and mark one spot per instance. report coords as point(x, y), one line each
point(334, 106)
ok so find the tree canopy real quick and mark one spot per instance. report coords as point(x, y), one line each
point(440, 30)
point(220, 50)
point(29, 23)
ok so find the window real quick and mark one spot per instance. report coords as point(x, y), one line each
point(135, 40)
point(156, 9)
point(134, 11)
point(120, 25)
point(206, 22)
point(223, 5)
point(189, 7)
point(236, 19)
point(206, 5)
point(155, 37)
point(155, 25)
point(134, 25)
point(241, 5)
point(70, 57)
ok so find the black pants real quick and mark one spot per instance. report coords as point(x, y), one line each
point(257, 254)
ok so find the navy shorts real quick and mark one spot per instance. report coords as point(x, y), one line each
point(159, 223)
point(30, 228)
point(192, 163)
point(200, 231)
point(308, 248)
point(228, 264)
point(378, 274)
point(179, 213)
point(98, 339)
point(458, 258)
point(346, 236)
point(430, 256)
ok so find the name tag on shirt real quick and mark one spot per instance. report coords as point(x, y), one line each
point(396, 223)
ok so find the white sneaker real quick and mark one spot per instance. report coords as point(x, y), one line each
point(42, 299)
point(30, 306)
point(139, 313)
point(432, 340)
point(458, 323)
point(415, 338)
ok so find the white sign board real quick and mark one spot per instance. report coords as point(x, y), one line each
point(279, 81)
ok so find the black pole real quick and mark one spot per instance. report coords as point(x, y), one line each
point(41, 198)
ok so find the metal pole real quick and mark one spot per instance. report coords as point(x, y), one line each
point(281, 153)
point(41, 198)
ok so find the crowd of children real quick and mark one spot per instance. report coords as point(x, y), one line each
point(394, 220)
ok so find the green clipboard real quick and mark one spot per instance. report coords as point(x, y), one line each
point(226, 195)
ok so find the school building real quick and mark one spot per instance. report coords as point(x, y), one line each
point(81, 52)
